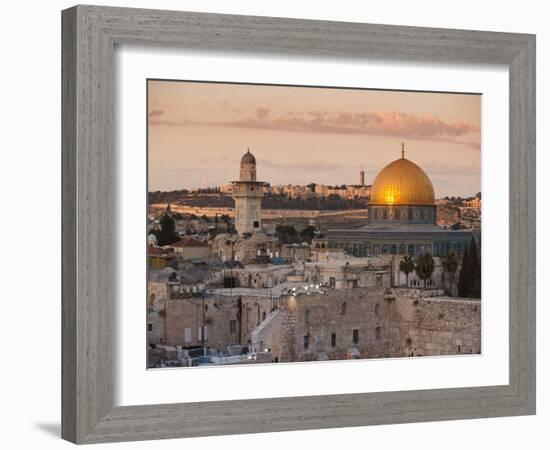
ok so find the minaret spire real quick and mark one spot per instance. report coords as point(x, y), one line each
point(402, 150)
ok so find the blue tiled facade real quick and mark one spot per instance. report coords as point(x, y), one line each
point(402, 214)
point(400, 230)
point(370, 242)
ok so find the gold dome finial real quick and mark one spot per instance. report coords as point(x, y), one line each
point(402, 150)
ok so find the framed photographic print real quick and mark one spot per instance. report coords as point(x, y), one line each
point(335, 219)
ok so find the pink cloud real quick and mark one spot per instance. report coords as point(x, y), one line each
point(389, 123)
point(385, 123)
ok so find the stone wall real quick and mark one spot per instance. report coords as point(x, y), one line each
point(321, 326)
point(156, 309)
point(426, 323)
point(224, 319)
point(268, 335)
point(363, 322)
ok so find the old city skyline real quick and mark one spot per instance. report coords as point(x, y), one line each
point(197, 132)
point(402, 280)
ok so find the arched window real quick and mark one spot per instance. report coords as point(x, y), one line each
point(263, 315)
point(306, 316)
point(377, 309)
point(344, 308)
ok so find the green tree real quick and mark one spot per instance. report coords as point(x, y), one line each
point(464, 278)
point(167, 234)
point(287, 234)
point(469, 280)
point(307, 233)
point(406, 265)
point(450, 264)
point(425, 266)
point(475, 267)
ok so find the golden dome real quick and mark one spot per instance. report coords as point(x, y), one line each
point(402, 182)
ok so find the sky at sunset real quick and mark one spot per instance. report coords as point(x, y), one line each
point(197, 133)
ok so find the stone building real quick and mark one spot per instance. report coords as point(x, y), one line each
point(249, 249)
point(158, 257)
point(156, 312)
point(296, 252)
point(402, 218)
point(191, 319)
point(191, 248)
point(257, 276)
point(348, 272)
point(247, 193)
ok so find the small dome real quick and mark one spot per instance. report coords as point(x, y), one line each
point(248, 158)
point(402, 182)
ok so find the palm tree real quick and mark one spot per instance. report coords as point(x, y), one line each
point(424, 266)
point(450, 264)
point(406, 265)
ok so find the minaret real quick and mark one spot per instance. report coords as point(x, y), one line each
point(248, 193)
point(362, 177)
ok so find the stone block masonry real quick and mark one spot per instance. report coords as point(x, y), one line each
point(338, 324)
point(423, 323)
point(329, 324)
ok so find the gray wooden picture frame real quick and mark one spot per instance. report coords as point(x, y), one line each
point(90, 34)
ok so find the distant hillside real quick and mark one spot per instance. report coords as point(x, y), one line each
point(332, 202)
